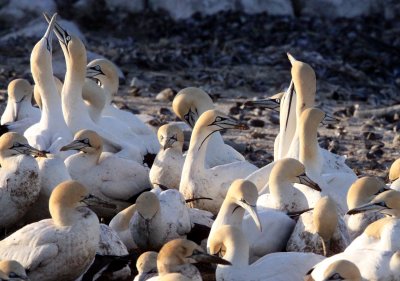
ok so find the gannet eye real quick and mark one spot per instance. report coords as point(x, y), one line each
point(68, 38)
point(336, 276)
point(174, 137)
point(382, 204)
point(277, 100)
point(85, 141)
point(13, 275)
point(97, 67)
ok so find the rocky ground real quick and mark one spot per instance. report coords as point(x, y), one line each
point(237, 57)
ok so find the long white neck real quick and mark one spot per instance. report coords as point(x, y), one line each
point(309, 153)
point(196, 156)
point(237, 253)
point(280, 190)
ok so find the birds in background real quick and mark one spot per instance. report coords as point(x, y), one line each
point(78, 197)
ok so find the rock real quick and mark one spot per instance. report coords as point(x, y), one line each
point(138, 83)
point(272, 7)
point(396, 140)
point(165, 95)
point(124, 6)
point(17, 10)
point(164, 111)
point(257, 123)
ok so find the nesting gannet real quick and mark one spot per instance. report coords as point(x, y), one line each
point(394, 175)
point(120, 224)
point(230, 243)
point(159, 219)
point(167, 167)
point(177, 256)
point(19, 178)
point(199, 181)
point(19, 113)
point(108, 176)
point(12, 270)
point(321, 231)
point(73, 107)
point(267, 231)
point(362, 191)
point(51, 132)
point(189, 104)
point(51, 248)
point(146, 266)
point(338, 270)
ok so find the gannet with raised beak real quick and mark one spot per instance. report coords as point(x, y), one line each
point(230, 243)
point(19, 177)
point(108, 176)
point(189, 104)
point(12, 270)
point(394, 175)
point(200, 181)
point(167, 167)
point(146, 266)
point(62, 247)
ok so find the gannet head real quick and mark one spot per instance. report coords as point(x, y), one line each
point(273, 102)
point(387, 203)
point(363, 190)
point(19, 90)
point(13, 270)
point(87, 141)
point(147, 262)
point(214, 121)
point(147, 205)
point(181, 251)
point(394, 172)
point(325, 217)
point(312, 117)
point(105, 73)
point(190, 103)
point(170, 136)
point(342, 270)
point(13, 144)
point(292, 170)
point(245, 194)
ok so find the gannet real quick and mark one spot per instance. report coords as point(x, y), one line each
point(230, 243)
point(19, 178)
point(394, 174)
point(108, 176)
point(177, 256)
point(37, 95)
point(120, 224)
point(334, 184)
point(338, 270)
point(146, 266)
point(12, 270)
point(73, 107)
point(321, 231)
point(105, 72)
point(19, 113)
point(267, 231)
point(167, 167)
point(62, 247)
point(51, 132)
point(189, 104)
point(199, 181)
point(362, 191)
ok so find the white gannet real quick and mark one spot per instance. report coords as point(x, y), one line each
point(230, 243)
point(108, 176)
point(19, 113)
point(95, 99)
point(120, 224)
point(199, 181)
point(12, 270)
point(177, 256)
point(51, 132)
point(105, 73)
point(321, 231)
point(50, 248)
point(37, 94)
point(159, 219)
point(267, 231)
point(146, 266)
point(362, 191)
point(19, 178)
point(394, 175)
point(338, 270)
point(189, 104)
point(334, 184)
point(167, 167)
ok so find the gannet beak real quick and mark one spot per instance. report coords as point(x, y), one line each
point(308, 276)
point(190, 117)
point(26, 149)
point(91, 200)
point(93, 71)
point(270, 103)
point(330, 120)
point(168, 143)
point(252, 209)
point(226, 123)
point(291, 58)
point(60, 32)
point(75, 145)
point(304, 179)
point(49, 32)
point(369, 207)
point(198, 256)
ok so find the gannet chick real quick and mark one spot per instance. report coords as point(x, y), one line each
point(120, 224)
point(13, 270)
point(51, 132)
point(394, 174)
point(177, 256)
point(158, 220)
point(321, 231)
point(230, 243)
point(199, 181)
point(70, 238)
point(19, 175)
point(167, 167)
point(19, 114)
point(108, 176)
point(267, 231)
point(362, 191)
point(338, 270)
point(189, 104)
point(146, 266)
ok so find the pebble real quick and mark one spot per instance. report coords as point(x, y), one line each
point(166, 95)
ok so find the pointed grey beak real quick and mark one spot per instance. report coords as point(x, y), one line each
point(168, 143)
point(191, 117)
point(198, 256)
point(252, 209)
point(49, 32)
point(94, 201)
point(75, 145)
point(60, 32)
point(330, 120)
point(26, 149)
point(304, 179)
point(93, 71)
point(369, 207)
point(270, 103)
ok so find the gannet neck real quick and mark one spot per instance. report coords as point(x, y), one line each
point(325, 217)
point(282, 177)
point(230, 213)
point(122, 219)
point(197, 151)
point(95, 97)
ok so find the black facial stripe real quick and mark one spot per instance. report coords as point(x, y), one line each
point(48, 45)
